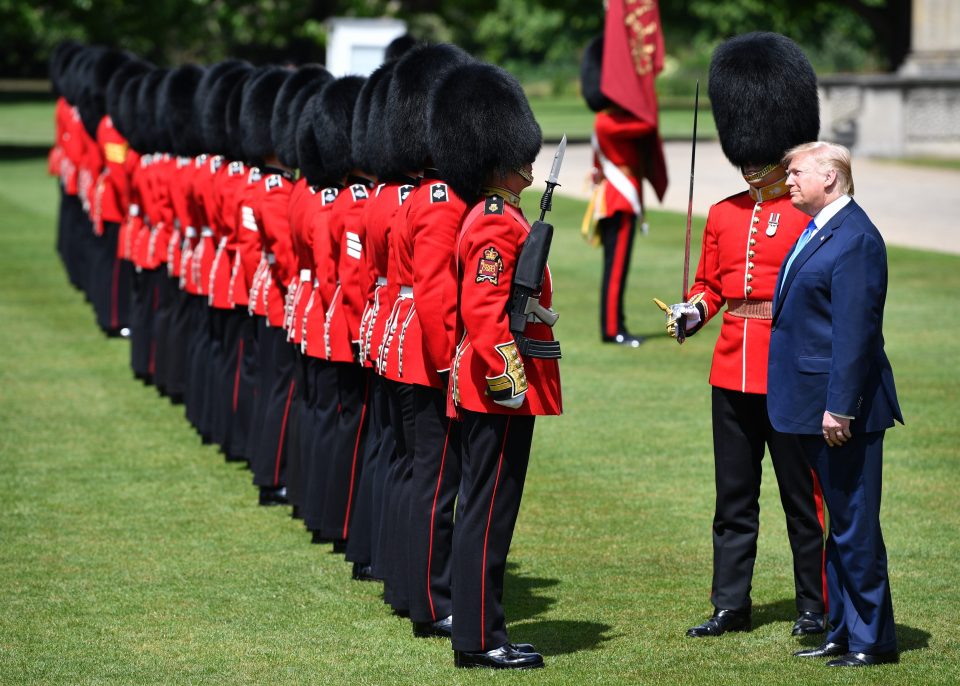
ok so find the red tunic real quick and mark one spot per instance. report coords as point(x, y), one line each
point(112, 194)
point(490, 241)
point(339, 263)
point(379, 217)
point(313, 325)
point(245, 241)
point(74, 138)
point(304, 200)
point(622, 141)
point(228, 184)
point(272, 214)
point(740, 260)
point(420, 340)
point(55, 158)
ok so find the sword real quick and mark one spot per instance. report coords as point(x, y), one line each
point(681, 324)
point(546, 202)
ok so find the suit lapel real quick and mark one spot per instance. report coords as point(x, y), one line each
point(814, 244)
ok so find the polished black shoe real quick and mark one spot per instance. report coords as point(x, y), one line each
point(809, 623)
point(273, 496)
point(523, 647)
point(721, 622)
point(362, 572)
point(340, 546)
point(625, 339)
point(865, 659)
point(504, 657)
point(442, 628)
point(826, 649)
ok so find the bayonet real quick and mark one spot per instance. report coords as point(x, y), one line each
point(546, 202)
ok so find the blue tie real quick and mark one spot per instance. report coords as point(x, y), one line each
point(802, 241)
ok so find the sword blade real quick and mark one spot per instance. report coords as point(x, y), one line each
point(554, 177)
point(693, 161)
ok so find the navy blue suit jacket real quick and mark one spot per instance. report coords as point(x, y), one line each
point(826, 342)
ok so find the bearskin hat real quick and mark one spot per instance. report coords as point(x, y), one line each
point(115, 88)
point(308, 153)
point(333, 126)
point(74, 69)
point(92, 105)
point(213, 112)
point(480, 124)
point(155, 138)
point(60, 59)
point(294, 92)
point(175, 109)
point(398, 47)
point(763, 92)
point(591, 69)
point(414, 77)
point(128, 122)
point(256, 112)
point(361, 150)
point(211, 76)
point(376, 146)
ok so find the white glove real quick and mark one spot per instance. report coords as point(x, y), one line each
point(513, 403)
point(691, 312)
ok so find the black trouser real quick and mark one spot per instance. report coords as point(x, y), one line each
point(167, 338)
point(196, 357)
point(243, 361)
point(366, 512)
point(617, 233)
point(77, 232)
point(741, 429)
point(433, 492)
point(296, 429)
point(386, 452)
point(111, 282)
point(395, 517)
point(321, 412)
point(496, 451)
point(269, 461)
point(144, 302)
point(344, 467)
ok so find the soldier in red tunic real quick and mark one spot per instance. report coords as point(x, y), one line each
point(484, 140)
point(626, 150)
point(764, 97)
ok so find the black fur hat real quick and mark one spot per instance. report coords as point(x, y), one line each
point(128, 122)
point(308, 153)
point(591, 69)
point(211, 76)
point(92, 103)
point(362, 146)
point(295, 91)
point(256, 111)
point(414, 77)
point(213, 115)
point(763, 92)
point(72, 80)
point(175, 109)
point(399, 46)
point(155, 138)
point(59, 61)
point(333, 126)
point(480, 124)
point(121, 77)
point(377, 149)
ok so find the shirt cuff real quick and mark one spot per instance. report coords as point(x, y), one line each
point(841, 416)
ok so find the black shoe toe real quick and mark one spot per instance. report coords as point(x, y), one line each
point(504, 657)
point(809, 623)
point(826, 649)
point(721, 622)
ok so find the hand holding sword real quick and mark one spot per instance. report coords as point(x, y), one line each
point(685, 314)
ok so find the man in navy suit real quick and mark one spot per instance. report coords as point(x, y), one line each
point(830, 383)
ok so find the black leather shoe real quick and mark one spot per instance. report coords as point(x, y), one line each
point(625, 339)
point(721, 622)
point(809, 623)
point(362, 572)
point(523, 647)
point(340, 546)
point(442, 628)
point(826, 649)
point(865, 660)
point(273, 496)
point(504, 657)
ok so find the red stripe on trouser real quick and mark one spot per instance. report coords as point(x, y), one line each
point(486, 535)
point(433, 518)
point(353, 466)
point(236, 377)
point(818, 500)
point(115, 295)
point(283, 430)
point(616, 275)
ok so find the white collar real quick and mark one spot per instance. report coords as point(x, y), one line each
point(829, 212)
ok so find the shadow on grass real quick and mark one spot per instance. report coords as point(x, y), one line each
point(524, 600)
point(10, 153)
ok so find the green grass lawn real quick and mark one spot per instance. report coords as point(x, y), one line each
point(25, 121)
point(131, 554)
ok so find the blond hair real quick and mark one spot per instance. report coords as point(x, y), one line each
point(827, 156)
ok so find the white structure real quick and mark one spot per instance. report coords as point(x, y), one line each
point(357, 46)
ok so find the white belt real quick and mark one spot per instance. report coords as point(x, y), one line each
point(191, 232)
point(406, 291)
point(381, 281)
point(304, 275)
point(206, 232)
